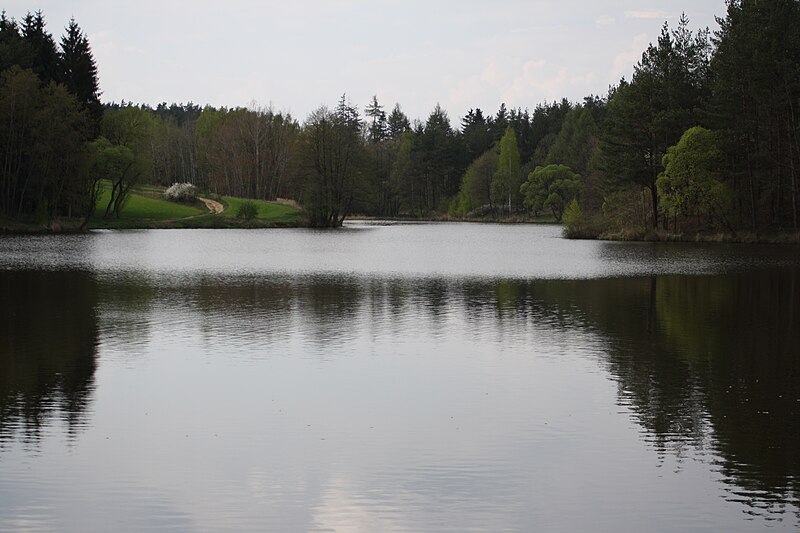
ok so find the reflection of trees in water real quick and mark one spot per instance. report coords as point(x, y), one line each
point(124, 313)
point(236, 311)
point(327, 307)
point(739, 336)
point(48, 338)
point(702, 362)
point(248, 310)
point(662, 390)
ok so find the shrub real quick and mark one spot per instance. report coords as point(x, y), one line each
point(247, 210)
point(181, 192)
point(572, 214)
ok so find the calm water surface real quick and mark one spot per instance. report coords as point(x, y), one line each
point(418, 377)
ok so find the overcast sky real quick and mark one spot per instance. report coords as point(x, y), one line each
point(299, 54)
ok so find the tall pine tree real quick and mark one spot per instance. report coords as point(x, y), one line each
point(13, 48)
point(649, 114)
point(44, 56)
point(78, 72)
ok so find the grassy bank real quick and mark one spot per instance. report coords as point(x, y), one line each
point(516, 219)
point(642, 235)
point(738, 238)
point(146, 208)
point(271, 212)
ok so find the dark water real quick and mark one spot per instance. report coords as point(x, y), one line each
point(397, 378)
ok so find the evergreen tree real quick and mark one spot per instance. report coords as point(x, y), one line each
point(78, 71)
point(44, 56)
point(575, 144)
point(378, 129)
point(521, 122)
point(545, 124)
point(14, 50)
point(402, 175)
point(649, 114)
point(756, 103)
point(476, 134)
point(499, 123)
point(398, 123)
point(440, 159)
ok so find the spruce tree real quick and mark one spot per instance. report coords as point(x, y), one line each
point(78, 71)
point(378, 129)
point(398, 123)
point(650, 113)
point(44, 56)
point(499, 123)
point(13, 49)
point(476, 134)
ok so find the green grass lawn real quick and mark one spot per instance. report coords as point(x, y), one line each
point(270, 211)
point(147, 206)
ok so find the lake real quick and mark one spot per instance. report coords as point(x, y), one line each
point(397, 377)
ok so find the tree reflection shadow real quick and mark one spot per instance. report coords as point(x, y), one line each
point(703, 363)
point(48, 340)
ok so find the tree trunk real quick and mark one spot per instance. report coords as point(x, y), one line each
point(794, 150)
point(654, 199)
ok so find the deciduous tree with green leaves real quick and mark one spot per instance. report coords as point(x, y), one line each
point(43, 133)
point(507, 177)
point(476, 186)
point(122, 154)
point(551, 187)
point(334, 149)
point(690, 184)
point(649, 114)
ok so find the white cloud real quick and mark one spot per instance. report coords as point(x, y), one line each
point(492, 73)
point(469, 54)
point(624, 61)
point(647, 14)
point(604, 20)
point(537, 83)
point(535, 86)
point(583, 79)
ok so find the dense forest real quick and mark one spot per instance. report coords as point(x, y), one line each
point(703, 138)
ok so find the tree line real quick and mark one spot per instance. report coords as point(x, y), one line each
point(49, 110)
point(702, 137)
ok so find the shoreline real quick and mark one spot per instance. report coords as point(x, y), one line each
point(779, 238)
point(473, 220)
point(61, 227)
point(211, 221)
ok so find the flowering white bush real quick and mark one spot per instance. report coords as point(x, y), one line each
point(181, 192)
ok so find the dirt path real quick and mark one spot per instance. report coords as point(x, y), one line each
point(212, 205)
